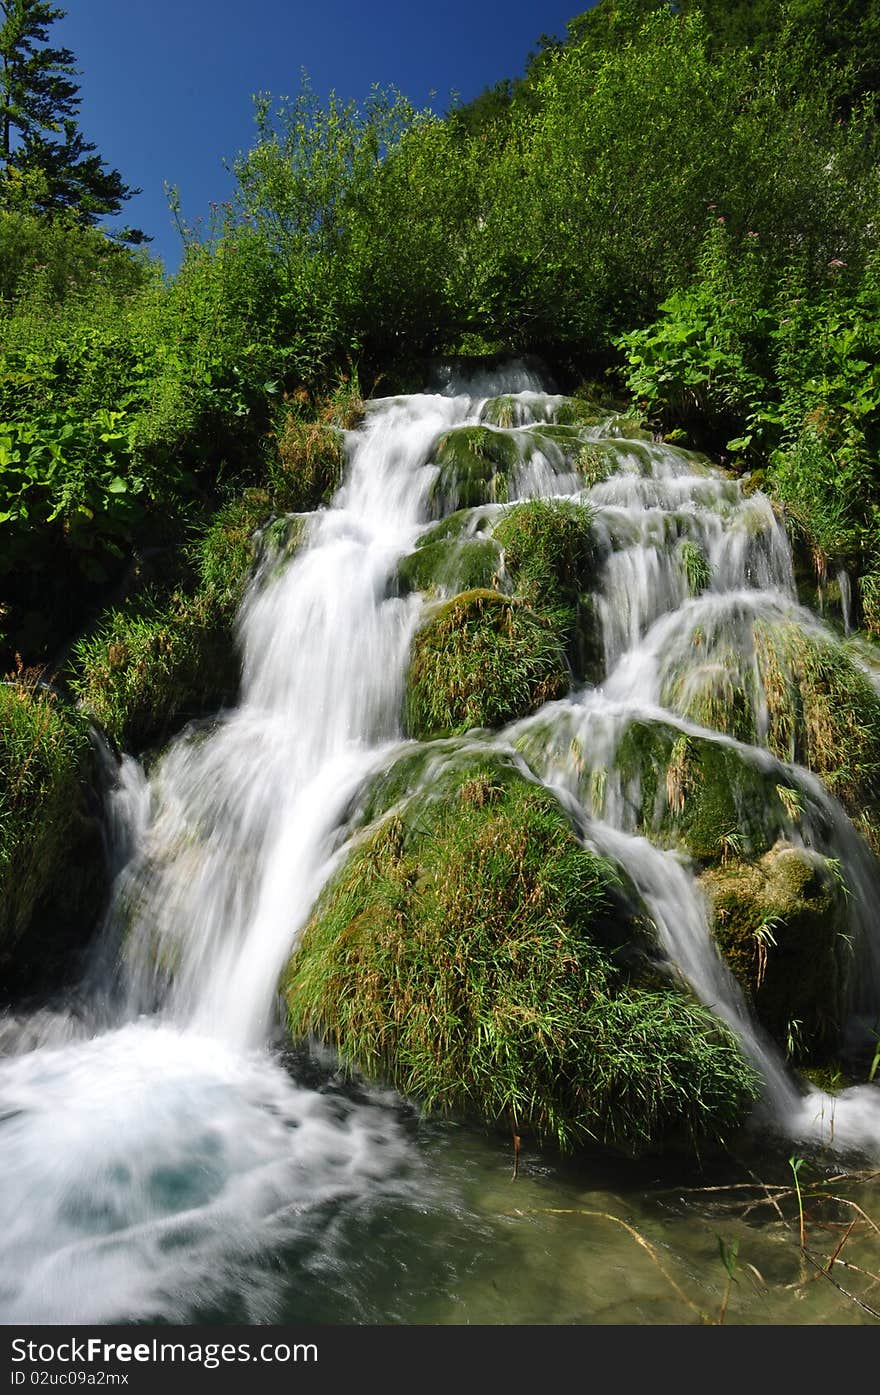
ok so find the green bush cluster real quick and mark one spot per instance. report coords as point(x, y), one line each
point(168, 655)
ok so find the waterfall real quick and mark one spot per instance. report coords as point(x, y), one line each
point(162, 1151)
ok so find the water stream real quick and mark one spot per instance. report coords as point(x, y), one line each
point(161, 1156)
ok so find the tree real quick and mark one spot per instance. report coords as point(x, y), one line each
point(48, 167)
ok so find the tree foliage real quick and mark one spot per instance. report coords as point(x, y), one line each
point(47, 164)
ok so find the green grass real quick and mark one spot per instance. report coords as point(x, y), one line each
point(482, 660)
point(460, 955)
point(51, 860)
point(781, 924)
point(143, 672)
point(550, 560)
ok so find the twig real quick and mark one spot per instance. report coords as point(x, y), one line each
point(639, 1239)
point(872, 1312)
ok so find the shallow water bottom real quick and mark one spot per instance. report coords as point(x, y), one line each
point(151, 1175)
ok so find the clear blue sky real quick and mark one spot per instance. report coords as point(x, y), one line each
point(167, 85)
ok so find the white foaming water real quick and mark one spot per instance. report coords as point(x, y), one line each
point(246, 817)
point(160, 1158)
point(147, 1169)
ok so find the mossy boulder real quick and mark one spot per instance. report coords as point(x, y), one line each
point(551, 561)
point(577, 411)
point(169, 654)
point(52, 869)
point(450, 566)
point(823, 710)
point(780, 680)
point(513, 410)
point(152, 666)
point(481, 660)
point(711, 798)
point(474, 466)
point(462, 955)
point(278, 542)
point(781, 923)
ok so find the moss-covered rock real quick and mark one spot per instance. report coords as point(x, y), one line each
point(578, 412)
point(823, 710)
point(481, 660)
point(781, 681)
point(152, 666)
point(474, 466)
point(462, 955)
point(168, 655)
point(52, 872)
point(711, 798)
point(513, 410)
point(450, 566)
point(551, 562)
point(225, 553)
point(278, 542)
point(781, 924)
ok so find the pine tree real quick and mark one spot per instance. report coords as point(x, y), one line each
point(47, 165)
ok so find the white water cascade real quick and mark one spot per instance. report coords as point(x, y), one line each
point(161, 1154)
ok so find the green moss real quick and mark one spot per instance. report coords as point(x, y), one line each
point(480, 661)
point(550, 559)
point(462, 525)
point(150, 667)
point(52, 878)
point(459, 955)
point(824, 711)
point(168, 655)
point(575, 411)
point(794, 687)
point(552, 437)
point(781, 924)
point(715, 688)
point(224, 554)
point(505, 411)
point(278, 542)
point(705, 796)
point(450, 566)
point(474, 466)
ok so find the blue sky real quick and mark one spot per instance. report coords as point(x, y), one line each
point(167, 85)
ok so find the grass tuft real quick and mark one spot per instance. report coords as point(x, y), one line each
point(459, 955)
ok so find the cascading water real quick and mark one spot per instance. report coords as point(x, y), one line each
point(163, 1153)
